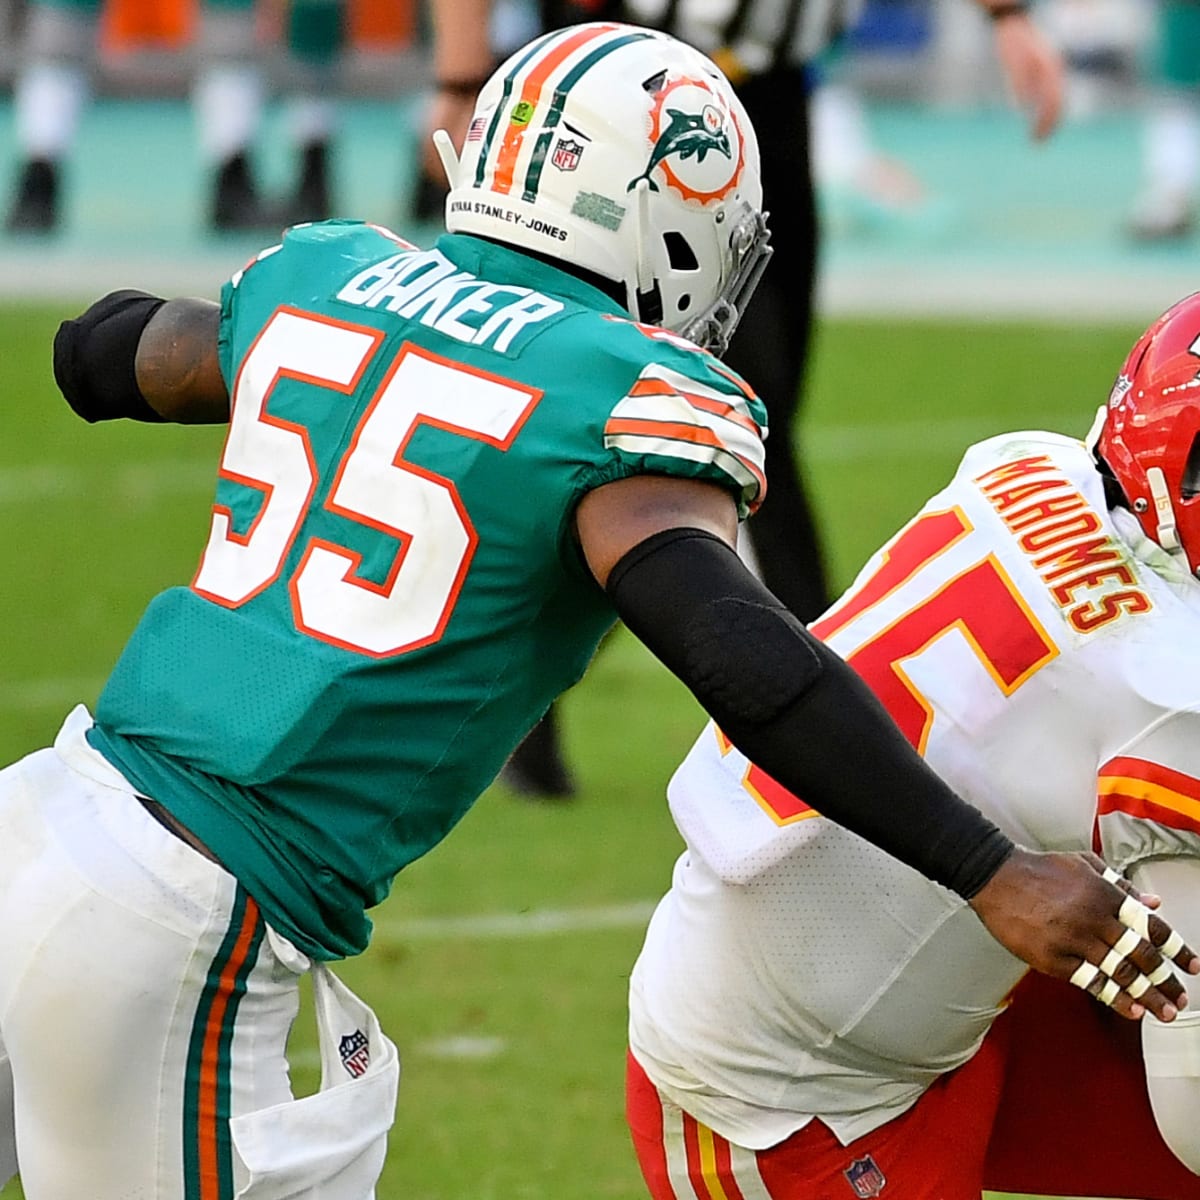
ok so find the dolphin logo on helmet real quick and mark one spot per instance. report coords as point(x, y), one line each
point(687, 134)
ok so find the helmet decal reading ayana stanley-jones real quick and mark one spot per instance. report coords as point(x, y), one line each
point(688, 125)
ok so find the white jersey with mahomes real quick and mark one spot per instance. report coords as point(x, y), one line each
point(1041, 653)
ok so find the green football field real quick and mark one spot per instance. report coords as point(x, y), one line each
point(500, 962)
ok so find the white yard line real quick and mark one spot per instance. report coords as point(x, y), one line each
point(915, 439)
point(538, 922)
point(1061, 294)
point(31, 485)
point(46, 694)
point(43, 482)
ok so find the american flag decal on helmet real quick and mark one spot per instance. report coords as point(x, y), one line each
point(865, 1177)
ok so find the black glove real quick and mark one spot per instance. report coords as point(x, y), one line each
point(94, 357)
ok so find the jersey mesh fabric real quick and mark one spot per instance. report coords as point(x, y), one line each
point(316, 772)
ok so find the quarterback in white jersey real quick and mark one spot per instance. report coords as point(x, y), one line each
point(1033, 632)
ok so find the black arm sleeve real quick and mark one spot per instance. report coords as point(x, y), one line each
point(795, 708)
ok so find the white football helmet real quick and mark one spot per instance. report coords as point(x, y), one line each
point(625, 152)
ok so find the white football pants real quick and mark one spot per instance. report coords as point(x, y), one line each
point(145, 1008)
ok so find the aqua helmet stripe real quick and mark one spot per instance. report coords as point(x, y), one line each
point(541, 148)
point(502, 107)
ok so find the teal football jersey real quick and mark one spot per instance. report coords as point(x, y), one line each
point(391, 595)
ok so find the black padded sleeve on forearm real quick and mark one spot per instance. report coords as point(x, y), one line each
point(95, 357)
point(792, 706)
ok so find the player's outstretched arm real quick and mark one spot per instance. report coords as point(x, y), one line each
point(138, 356)
point(663, 550)
point(178, 367)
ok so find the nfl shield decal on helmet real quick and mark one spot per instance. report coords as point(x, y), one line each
point(355, 1052)
point(566, 154)
point(865, 1177)
point(1120, 390)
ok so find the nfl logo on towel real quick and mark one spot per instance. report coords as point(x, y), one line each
point(355, 1052)
point(865, 1177)
point(566, 154)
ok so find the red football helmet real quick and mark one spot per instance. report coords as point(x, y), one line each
point(1150, 435)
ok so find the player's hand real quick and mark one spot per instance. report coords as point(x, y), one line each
point(1062, 912)
point(1034, 70)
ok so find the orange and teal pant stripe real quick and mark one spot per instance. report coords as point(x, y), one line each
point(207, 1150)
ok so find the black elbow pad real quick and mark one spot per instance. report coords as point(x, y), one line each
point(687, 595)
point(756, 687)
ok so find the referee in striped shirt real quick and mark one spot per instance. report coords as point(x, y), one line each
point(765, 48)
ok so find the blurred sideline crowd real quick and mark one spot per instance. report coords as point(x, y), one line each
point(811, 98)
point(234, 57)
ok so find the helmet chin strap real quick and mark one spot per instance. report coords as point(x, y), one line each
point(1164, 511)
point(1097, 428)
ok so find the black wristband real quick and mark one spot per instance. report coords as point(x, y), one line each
point(793, 707)
point(1010, 8)
point(95, 357)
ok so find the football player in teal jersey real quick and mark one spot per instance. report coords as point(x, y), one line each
point(447, 472)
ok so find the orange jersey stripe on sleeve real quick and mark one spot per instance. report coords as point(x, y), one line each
point(650, 386)
point(738, 382)
point(721, 409)
point(670, 431)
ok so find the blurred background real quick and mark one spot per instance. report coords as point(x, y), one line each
point(969, 282)
point(932, 198)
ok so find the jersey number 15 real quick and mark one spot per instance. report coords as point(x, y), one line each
point(980, 602)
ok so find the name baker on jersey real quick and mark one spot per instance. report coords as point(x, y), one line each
point(425, 286)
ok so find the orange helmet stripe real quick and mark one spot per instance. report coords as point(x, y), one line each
point(531, 89)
